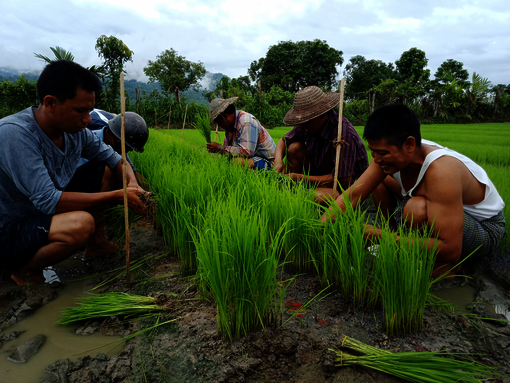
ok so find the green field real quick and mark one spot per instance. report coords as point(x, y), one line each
point(486, 144)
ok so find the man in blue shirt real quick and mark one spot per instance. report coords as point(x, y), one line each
point(42, 221)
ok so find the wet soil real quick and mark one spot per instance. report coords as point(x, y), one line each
point(190, 349)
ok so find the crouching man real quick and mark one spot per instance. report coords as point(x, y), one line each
point(424, 183)
point(42, 221)
point(245, 138)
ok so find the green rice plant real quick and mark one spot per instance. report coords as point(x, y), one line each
point(117, 224)
point(203, 125)
point(402, 277)
point(428, 366)
point(238, 267)
point(109, 304)
point(344, 257)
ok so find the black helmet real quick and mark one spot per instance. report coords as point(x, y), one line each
point(136, 132)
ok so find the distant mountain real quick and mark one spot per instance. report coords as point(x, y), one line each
point(12, 74)
point(208, 83)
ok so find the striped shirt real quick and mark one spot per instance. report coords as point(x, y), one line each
point(249, 138)
point(322, 152)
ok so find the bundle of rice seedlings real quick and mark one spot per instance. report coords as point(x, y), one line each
point(433, 366)
point(110, 304)
point(203, 125)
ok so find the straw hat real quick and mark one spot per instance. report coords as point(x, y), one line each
point(310, 102)
point(218, 105)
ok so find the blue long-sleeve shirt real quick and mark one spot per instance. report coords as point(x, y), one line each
point(34, 171)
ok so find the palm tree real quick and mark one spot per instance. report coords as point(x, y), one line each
point(60, 54)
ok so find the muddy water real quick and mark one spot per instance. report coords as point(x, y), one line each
point(60, 343)
point(465, 295)
point(459, 296)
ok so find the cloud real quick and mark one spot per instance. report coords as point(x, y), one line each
point(228, 35)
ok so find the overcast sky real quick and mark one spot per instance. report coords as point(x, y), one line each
point(227, 35)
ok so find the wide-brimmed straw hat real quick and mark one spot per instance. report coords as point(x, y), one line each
point(218, 105)
point(310, 102)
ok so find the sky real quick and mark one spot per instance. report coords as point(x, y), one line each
point(227, 35)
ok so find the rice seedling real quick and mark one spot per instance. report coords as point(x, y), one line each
point(203, 125)
point(344, 257)
point(433, 366)
point(238, 267)
point(110, 304)
point(402, 277)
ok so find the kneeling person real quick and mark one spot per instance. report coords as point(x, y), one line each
point(310, 145)
point(435, 187)
point(42, 222)
point(245, 137)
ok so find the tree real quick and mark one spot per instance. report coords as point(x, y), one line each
point(174, 73)
point(451, 68)
point(60, 54)
point(295, 65)
point(362, 75)
point(411, 66)
point(115, 54)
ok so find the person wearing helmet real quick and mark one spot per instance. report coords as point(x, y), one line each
point(107, 127)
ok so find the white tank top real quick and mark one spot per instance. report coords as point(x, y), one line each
point(491, 205)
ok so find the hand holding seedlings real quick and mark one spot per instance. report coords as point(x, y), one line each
point(213, 147)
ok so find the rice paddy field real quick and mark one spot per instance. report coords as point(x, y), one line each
point(236, 231)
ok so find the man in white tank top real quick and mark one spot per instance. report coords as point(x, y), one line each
point(425, 183)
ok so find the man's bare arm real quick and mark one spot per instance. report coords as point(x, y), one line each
point(279, 153)
point(74, 201)
point(360, 190)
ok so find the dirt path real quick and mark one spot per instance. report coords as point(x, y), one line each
point(190, 349)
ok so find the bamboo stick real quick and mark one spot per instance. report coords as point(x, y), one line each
point(169, 114)
point(339, 138)
point(124, 179)
point(184, 123)
point(216, 135)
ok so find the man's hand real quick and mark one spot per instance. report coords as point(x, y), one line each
point(213, 147)
point(280, 167)
point(134, 202)
point(296, 176)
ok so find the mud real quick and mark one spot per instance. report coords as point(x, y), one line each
point(190, 349)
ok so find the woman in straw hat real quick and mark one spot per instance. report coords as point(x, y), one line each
point(310, 145)
point(245, 138)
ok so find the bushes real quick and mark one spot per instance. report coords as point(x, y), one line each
point(17, 95)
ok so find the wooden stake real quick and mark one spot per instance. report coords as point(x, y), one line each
point(339, 138)
point(184, 123)
point(169, 114)
point(124, 179)
point(216, 135)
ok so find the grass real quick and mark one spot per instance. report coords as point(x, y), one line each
point(107, 305)
point(432, 367)
point(203, 125)
point(216, 216)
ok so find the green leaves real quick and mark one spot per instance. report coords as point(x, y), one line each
point(115, 55)
point(60, 54)
point(295, 65)
point(174, 72)
point(433, 367)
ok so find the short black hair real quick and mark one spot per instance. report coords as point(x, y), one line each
point(61, 78)
point(394, 123)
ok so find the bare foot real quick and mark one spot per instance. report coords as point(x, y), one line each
point(101, 247)
point(28, 279)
